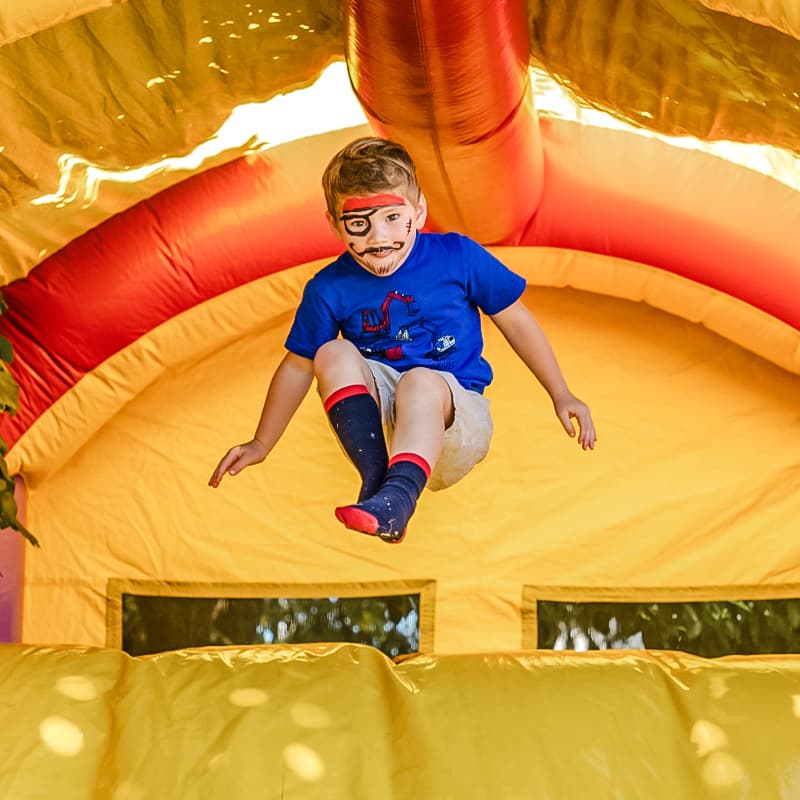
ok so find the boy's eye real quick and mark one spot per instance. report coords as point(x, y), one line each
point(356, 224)
point(393, 217)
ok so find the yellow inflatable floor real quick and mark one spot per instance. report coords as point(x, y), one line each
point(343, 721)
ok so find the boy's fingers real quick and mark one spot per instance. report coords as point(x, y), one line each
point(224, 466)
point(215, 478)
point(232, 465)
point(566, 422)
point(588, 436)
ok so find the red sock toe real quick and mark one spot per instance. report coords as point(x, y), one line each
point(357, 520)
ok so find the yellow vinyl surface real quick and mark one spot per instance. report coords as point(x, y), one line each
point(342, 721)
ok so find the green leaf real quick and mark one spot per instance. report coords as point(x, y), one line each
point(9, 391)
point(8, 507)
point(8, 513)
point(9, 402)
point(6, 350)
point(25, 533)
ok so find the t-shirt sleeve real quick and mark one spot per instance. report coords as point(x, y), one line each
point(492, 285)
point(314, 323)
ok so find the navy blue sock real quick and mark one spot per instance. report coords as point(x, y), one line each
point(356, 420)
point(387, 512)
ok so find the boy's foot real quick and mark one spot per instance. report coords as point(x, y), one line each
point(387, 512)
point(357, 519)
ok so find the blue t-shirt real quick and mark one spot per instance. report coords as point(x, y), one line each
point(423, 314)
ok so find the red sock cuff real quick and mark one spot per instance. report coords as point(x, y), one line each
point(414, 459)
point(345, 392)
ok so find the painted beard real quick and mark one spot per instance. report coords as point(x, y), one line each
point(382, 267)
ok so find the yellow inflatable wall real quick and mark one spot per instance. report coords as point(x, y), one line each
point(697, 462)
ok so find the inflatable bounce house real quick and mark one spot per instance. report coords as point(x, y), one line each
point(560, 624)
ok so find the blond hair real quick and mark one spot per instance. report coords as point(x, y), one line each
point(366, 166)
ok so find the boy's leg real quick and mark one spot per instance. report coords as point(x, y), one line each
point(466, 440)
point(423, 410)
point(346, 386)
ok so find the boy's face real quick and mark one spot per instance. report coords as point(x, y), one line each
point(379, 230)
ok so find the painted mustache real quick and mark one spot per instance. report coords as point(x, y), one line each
point(379, 250)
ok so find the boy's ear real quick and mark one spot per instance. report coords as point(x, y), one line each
point(422, 211)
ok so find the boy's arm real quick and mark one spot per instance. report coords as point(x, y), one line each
point(529, 342)
point(288, 387)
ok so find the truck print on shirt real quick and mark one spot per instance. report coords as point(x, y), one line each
point(376, 325)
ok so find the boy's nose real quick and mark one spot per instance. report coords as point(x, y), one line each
point(378, 231)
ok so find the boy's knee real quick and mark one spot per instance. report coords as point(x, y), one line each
point(420, 378)
point(426, 383)
point(334, 352)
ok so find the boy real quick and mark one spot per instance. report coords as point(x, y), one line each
point(408, 362)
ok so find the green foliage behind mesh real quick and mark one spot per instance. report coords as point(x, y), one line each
point(705, 628)
point(152, 624)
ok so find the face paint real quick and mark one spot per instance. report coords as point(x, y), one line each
point(356, 211)
point(373, 201)
point(378, 230)
point(358, 224)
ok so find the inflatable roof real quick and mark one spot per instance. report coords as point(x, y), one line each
point(151, 264)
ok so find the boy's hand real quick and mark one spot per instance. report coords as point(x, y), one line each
point(568, 407)
point(237, 458)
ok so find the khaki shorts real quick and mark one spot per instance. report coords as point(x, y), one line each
point(466, 441)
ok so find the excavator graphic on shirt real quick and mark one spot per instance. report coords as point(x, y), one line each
point(379, 340)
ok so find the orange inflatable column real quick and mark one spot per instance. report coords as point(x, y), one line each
point(450, 81)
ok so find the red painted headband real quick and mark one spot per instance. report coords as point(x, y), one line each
point(373, 201)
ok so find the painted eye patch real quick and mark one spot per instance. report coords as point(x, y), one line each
point(358, 224)
point(356, 211)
